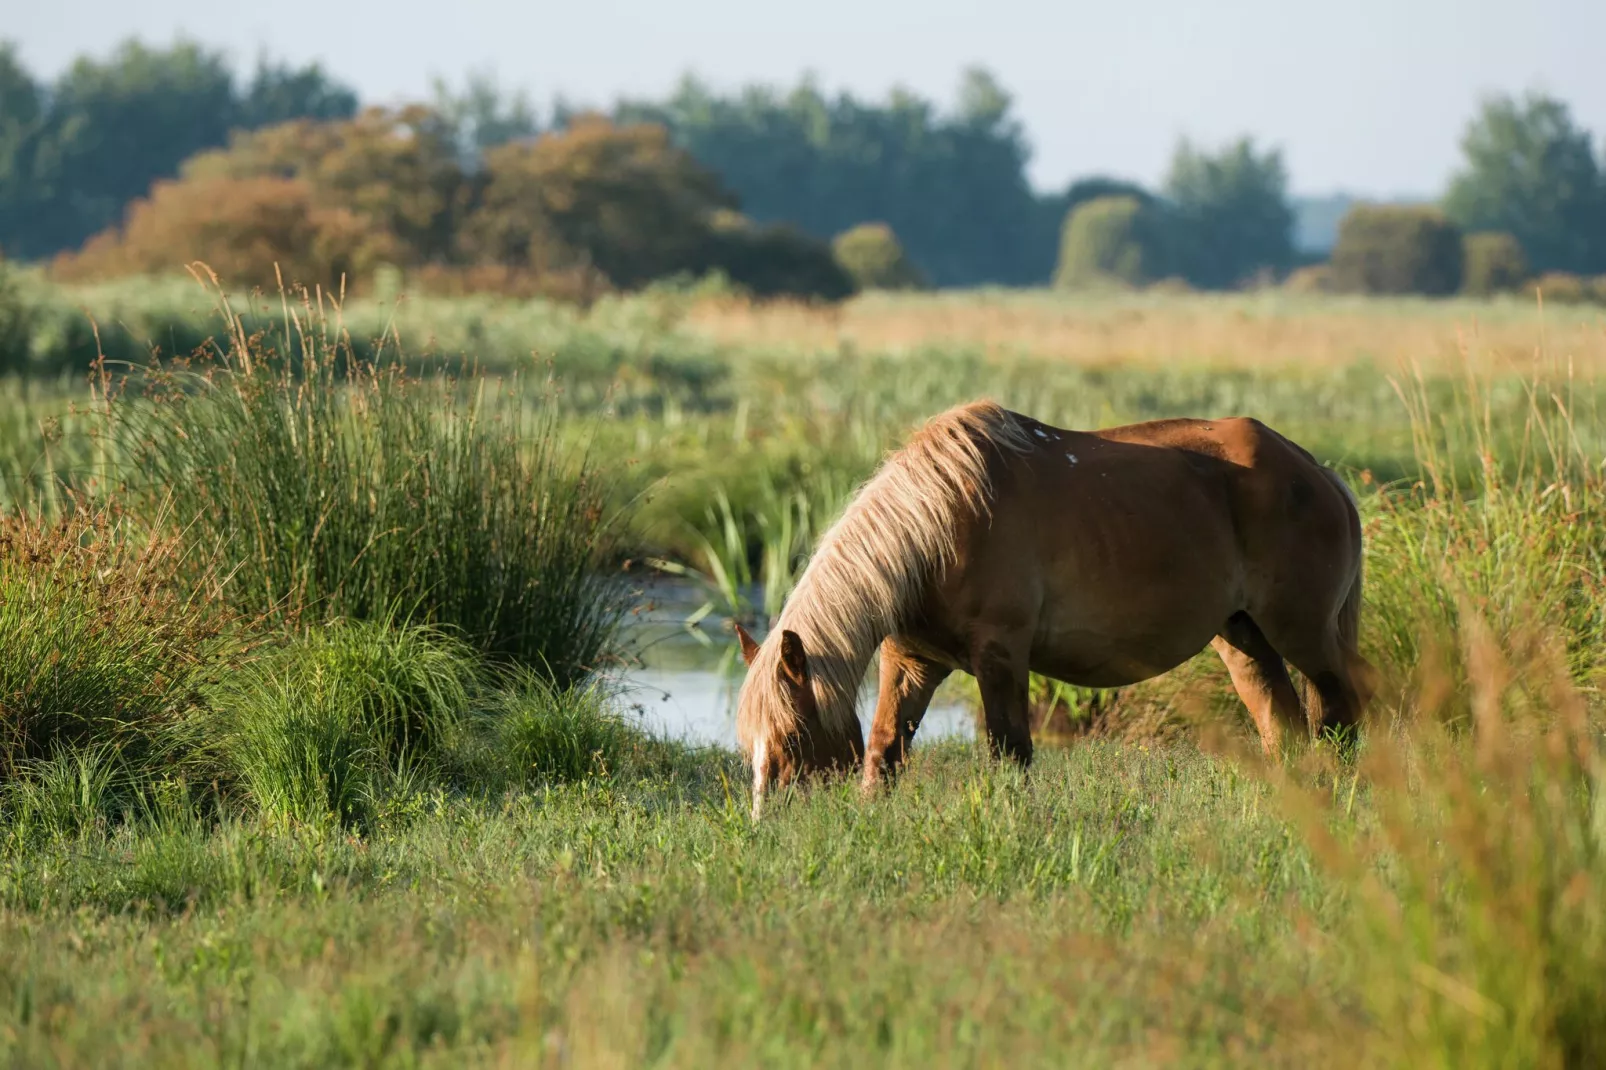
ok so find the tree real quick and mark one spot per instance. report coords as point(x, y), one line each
point(396, 169)
point(1397, 249)
point(118, 125)
point(251, 231)
point(22, 112)
point(278, 93)
point(619, 198)
point(1112, 240)
point(74, 154)
point(952, 186)
point(1231, 213)
point(483, 116)
point(1531, 172)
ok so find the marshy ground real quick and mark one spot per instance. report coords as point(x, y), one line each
point(314, 755)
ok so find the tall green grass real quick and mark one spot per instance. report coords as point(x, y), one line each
point(331, 487)
point(545, 735)
point(1505, 525)
point(315, 729)
point(49, 447)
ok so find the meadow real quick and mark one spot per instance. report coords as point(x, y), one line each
point(314, 751)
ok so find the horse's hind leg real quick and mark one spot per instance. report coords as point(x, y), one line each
point(1335, 691)
point(1002, 674)
point(1261, 679)
point(1339, 679)
point(907, 683)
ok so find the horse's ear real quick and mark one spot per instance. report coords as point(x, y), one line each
point(749, 648)
point(794, 662)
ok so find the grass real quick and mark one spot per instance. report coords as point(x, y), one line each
point(317, 729)
point(101, 643)
point(323, 776)
point(1124, 904)
point(331, 487)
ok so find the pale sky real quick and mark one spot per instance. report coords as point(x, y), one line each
point(1365, 96)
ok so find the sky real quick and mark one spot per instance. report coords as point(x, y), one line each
point(1363, 96)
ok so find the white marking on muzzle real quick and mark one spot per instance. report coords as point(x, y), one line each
point(760, 753)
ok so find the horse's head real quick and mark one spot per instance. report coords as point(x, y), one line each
point(778, 717)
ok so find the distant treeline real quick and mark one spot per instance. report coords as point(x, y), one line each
point(149, 155)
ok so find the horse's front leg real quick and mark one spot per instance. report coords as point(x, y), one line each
point(907, 683)
point(1002, 675)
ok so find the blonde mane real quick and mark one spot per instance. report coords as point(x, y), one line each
point(874, 564)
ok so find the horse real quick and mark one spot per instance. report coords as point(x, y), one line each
point(999, 545)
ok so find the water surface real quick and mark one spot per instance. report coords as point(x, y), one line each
point(681, 681)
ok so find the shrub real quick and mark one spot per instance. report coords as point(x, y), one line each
point(337, 487)
point(1493, 263)
point(872, 256)
point(252, 231)
point(1310, 279)
point(1562, 288)
point(773, 261)
point(1397, 249)
point(313, 728)
point(1111, 239)
point(100, 645)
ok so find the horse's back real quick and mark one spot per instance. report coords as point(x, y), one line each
point(1232, 497)
point(1295, 523)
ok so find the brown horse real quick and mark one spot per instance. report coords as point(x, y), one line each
point(999, 545)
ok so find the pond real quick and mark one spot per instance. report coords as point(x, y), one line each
point(681, 681)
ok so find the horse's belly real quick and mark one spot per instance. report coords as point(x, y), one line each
point(1105, 661)
point(1111, 644)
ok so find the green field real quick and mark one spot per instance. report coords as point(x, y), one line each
point(312, 752)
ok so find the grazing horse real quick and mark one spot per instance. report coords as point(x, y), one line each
point(997, 544)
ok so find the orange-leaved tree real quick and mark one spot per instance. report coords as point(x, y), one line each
point(621, 200)
point(242, 228)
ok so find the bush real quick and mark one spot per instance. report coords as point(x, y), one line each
point(313, 729)
point(1397, 249)
point(1493, 263)
point(340, 488)
point(253, 231)
point(872, 256)
point(1111, 239)
point(1310, 279)
point(773, 261)
point(1562, 288)
point(100, 645)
